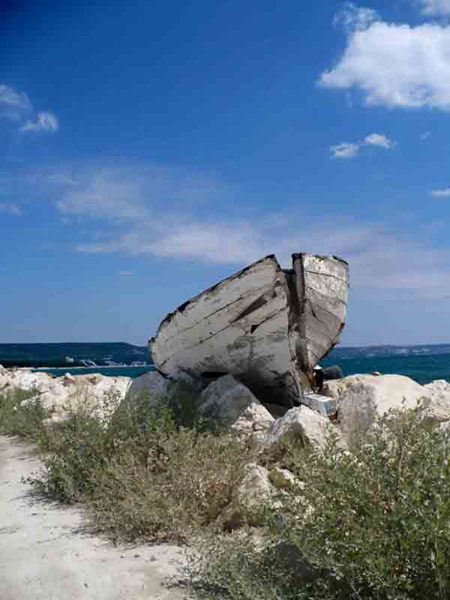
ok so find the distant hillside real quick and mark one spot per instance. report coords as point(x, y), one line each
point(102, 353)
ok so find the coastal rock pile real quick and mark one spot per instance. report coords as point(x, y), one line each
point(363, 398)
point(62, 395)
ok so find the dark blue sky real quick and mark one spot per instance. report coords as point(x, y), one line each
point(149, 149)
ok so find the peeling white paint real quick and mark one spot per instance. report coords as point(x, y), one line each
point(265, 325)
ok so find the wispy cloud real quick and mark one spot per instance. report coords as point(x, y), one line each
point(185, 216)
point(13, 105)
point(435, 7)
point(378, 139)
point(11, 208)
point(443, 193)
point(394, 65)
point(344, 150)
point(354, 18)
point(351, 149)
point(16, 106)
point(45, 121)
point(425, 136)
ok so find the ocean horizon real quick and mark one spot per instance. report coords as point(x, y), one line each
point(422, 367)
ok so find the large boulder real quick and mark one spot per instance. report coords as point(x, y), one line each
point(283, 479)
point(151, 383)
point(439, 387)
point(194, 382)
point(361, 399)
point(96, 394)
point(302, 424)
point(239, 409)
point(250, 496)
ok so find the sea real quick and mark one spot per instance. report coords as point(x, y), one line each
point(421, 364)
point(421, 368)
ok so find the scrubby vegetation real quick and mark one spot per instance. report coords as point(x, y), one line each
point(374, 524)
point(159, 470)
point(370, 524)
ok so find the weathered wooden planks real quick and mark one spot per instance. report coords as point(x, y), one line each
point(265, 325)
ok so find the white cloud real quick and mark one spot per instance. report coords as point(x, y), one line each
point(16, 106)
point(45, 121)
point(174, 214)
point(13, 105)
point(351, 149)
point(395, 65)
point(344, 150)
point(354, 18)
point(210, 242)
point(435, 7)
point(11, 208)
point(378, 139)
point(443, 193)
point(425, 136)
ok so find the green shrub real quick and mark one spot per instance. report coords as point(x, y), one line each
point(374, 524)
point(241, 566)
point(145, 474)
point(21, 413)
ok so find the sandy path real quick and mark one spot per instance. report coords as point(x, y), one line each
point(44, 555)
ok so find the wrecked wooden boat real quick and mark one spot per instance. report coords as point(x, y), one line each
point(266, 325)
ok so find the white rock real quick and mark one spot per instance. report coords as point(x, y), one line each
point(63, 395)
point(440, 386)
point(236, 404)
point(334, 388)
point(69, 379)
point(439, 408)
point(252, 493)
point(363, 398)
point(302, 423)
point(282, 478)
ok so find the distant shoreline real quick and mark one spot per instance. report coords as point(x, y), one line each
point(90, 367)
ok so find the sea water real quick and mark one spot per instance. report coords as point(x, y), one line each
point(422, 368)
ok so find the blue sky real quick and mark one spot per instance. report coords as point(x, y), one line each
point(150, 149)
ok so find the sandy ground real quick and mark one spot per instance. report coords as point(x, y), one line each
point(45, 555)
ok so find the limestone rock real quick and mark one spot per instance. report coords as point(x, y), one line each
point(301, 423)
point(363, 398)
point(439, 407)
point(254, 491)
point(236, 404)
point(334, 388)
point(438, 387)
point(193, 381)
point(63, 395)
point(68, 379)
point(282, 479)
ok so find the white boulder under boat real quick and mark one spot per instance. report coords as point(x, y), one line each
point(266, 325)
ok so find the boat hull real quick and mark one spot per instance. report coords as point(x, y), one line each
point(265, 325)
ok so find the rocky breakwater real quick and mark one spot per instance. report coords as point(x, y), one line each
point(97, 394)
point(360, 399)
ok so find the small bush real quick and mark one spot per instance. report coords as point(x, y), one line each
point(374, 524)
point(145, 474)
point(241, 565)
point(21, 413)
